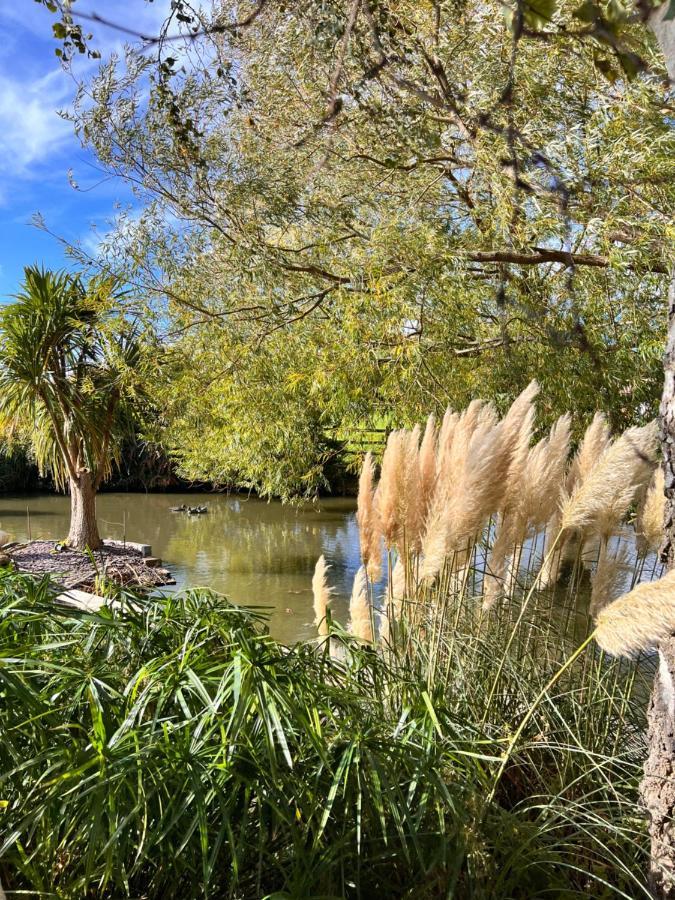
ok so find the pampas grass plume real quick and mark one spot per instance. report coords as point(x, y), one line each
point(595, 441)
point(388, 497)
point(368, 520)
point(410, 511)
point(640, 620)
point(650, 525)
point(602, 498)
point(322, 595)
point(360, 623)
point(427, 467)
point(607, 580)
point(467, 493)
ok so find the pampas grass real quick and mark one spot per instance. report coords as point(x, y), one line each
point(640, 620)
point(649, 525)
point(593, 445)
point(467, 493)
point(410, 511)
point(396, 591)
point(322, 594)
point(427, 468)
point(595, 441)
point(436, 500)
point(516, 429)
point(368, 520)
point(609, 576)
point(388, 495)
point(601, 500)
point(361, 623)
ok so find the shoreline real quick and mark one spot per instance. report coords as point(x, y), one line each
point(124, 565)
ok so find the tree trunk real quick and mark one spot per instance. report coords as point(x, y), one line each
point(658, 785)
point(83, 527)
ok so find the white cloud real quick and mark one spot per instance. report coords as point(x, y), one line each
point(31, 131)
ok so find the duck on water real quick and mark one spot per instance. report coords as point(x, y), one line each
point(190, 510)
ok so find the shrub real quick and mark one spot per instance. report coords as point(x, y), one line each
point(172, 748)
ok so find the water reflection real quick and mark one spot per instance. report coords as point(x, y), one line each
point(255, 552)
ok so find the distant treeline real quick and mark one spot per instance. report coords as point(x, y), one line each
point(142, 467)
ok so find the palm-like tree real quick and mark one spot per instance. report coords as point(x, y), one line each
point(70, 371)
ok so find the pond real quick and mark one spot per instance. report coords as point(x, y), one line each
point(257, 553)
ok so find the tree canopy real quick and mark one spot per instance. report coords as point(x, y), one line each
point(355, 214)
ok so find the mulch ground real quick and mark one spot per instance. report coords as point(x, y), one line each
point(74, 569)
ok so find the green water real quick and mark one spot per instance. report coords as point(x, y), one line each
point(257, 553)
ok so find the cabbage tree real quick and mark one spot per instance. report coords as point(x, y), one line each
point(69, 374)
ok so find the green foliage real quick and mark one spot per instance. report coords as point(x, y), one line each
point(70, 368)
point(376, 219)
point(172, 748)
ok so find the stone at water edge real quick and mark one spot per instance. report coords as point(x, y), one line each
point(153, 562)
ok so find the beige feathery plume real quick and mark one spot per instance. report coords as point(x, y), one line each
point(538, 499)
point(466, 494)
point(360, 624)
point(388, 495)
point(410, 514)
point(599, 502)
point(4, 538)
point(595, 441)
point(608, 577)
point(446, 437)
point(640, 620)
point(368, 519)
point(516, 436)
point(394, 601)
point(427, 468)
point(542, 480)
point(322, 595)
point(649, 525)
point(516, 428)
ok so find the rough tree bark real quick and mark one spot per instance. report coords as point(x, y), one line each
point(83, 526)
point(658, 785)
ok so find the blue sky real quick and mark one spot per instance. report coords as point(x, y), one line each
point(37, 148)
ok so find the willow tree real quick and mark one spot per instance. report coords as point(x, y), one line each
point(69, 373)
point(361, 209)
